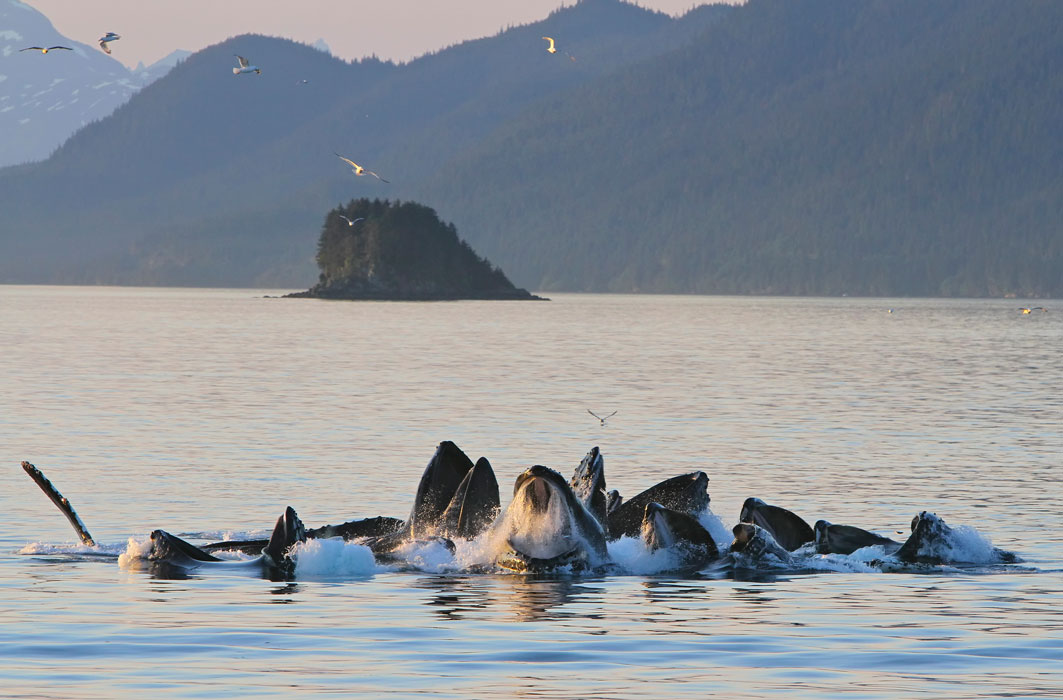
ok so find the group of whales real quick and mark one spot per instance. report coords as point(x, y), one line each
point(553, 525)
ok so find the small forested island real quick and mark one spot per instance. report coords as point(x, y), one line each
point(401, 251)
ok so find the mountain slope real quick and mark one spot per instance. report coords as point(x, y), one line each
point(223, 178)
point(807, 146)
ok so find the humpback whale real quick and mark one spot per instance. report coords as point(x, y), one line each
point(664, 528)
point(545, 527)
point(455, 499)
point(687, 493)
point(588, 485)
point(757, 543)
point(556, 525)
point(788, 529)
point(169, 551)
point(846, 539)
point(932, 542)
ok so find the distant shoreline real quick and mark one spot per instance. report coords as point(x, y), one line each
point(516, 295)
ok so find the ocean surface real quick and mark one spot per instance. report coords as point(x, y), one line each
point(206, 412)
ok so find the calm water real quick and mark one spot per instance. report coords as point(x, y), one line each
point(207, 411)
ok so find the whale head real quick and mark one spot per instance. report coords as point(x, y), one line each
point(545, 527)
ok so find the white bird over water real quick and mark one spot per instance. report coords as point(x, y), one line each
point(600, 419)
point(359, 170)
point(352, 222)
point(107, 39)
point(550, 48)
point(245, 67)
point(45, 50)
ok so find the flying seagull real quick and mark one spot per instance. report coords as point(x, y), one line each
point(600, 419)
point(357, 169)
point(45, 50)
point(245, 67)
point(352, 222)
point(107, 39)
point(1027, 309)
point(550, 48)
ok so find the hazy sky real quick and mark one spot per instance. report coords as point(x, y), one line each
point(395, 29)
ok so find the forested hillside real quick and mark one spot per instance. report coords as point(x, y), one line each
point(800, 147)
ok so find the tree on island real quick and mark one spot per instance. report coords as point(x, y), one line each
point(377, 249)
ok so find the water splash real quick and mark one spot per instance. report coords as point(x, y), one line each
point(333, 558)
point(721, 534)
point(71, 550)
point(632, 556)
point(136, 551)
point(963, 545)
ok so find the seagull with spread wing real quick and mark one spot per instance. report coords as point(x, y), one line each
point(359, 170)
point(45, 50)
point(600, 419)
point(352, 222)
point(550, 48)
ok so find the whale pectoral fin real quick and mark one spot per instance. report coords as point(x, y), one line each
point(61, 503)
point(287, 532)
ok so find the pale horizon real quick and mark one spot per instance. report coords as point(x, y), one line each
point(397, 30)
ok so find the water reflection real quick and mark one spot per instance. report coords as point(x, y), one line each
point(754, 596)
point(539, 598)
point(285, 590)
point(455, 596)
point(530, 597)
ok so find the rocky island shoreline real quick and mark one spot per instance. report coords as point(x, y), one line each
point(376, 250)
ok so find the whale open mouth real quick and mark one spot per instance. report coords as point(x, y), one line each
point(537, 494)
point(575, 559)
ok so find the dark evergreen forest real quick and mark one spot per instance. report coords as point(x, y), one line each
point(377, 249)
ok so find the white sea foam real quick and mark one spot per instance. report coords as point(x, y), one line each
point(431, 555)
point(721, 534)
point(44, 548)
point(866, 560)
point(332, 558)
point(137, 550)
point(634, 557)
point(963, 545)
